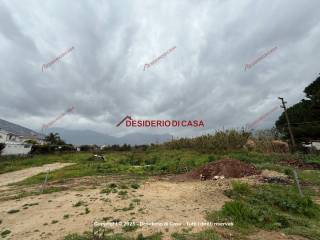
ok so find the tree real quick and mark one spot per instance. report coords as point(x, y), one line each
point(54, 139)
point(304, 116)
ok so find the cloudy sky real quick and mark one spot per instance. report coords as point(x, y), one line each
point(203, 78)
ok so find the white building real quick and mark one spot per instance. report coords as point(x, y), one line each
point(14, 144)
point(14, 137)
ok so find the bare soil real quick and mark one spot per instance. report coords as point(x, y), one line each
point(156, 201)
point(17, 176)
point(227, 168)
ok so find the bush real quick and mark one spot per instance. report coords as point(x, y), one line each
point(46, 149)
point(219, 142)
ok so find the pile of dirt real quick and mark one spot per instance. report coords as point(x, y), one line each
point(229, 168)
point(300, 164)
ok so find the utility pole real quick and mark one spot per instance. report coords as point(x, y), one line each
point(289, 126)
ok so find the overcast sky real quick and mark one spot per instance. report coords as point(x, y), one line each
point(202, 78)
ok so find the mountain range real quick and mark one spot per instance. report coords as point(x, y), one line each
point(79, 137)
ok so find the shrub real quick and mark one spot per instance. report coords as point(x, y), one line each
point(135, 185)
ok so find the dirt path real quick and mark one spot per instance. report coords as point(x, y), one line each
point(20, 175)
point(56, 215)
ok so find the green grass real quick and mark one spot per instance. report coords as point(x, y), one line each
point(89, 236)
point(79, 203)
point(18, 163)
point(310, 176)
point(204, 235)
point(5, 233)
point(270, 207)
point(130, 227)
point(135, 185)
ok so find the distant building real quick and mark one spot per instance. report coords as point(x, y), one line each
point(15, 137)
point(312, 146)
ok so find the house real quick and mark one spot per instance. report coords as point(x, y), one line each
point(15, 138)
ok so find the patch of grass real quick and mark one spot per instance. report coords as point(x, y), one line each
point(30, 204)
point(310, 176)
point(66, 216)
point(204, 235)
point(123, 186)
point(13, 211)
point(122, 193)
point(87, 210)
point(78, 204)
point(54, 221)
point(125, 209)
point(136, 200)
point(135, 185)
point(106, 190)
point(270, 207)
point(5, 233)
point(130, 227)
point(89, 236)
point(112, 185)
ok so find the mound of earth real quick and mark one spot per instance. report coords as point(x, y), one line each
point(229, 168)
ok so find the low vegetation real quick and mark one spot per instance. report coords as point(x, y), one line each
point(270, 207)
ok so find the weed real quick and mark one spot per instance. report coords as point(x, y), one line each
point(131, 207)
point(123, 186)
point(112, 185)
point(136, 200)
point(87, 210)
point(130, 227)
point(122, 193)
point(13, 211)
point(25, 206)
point(54, 221)
point(5, 233)
point(204, 235)
point(78, 204)
point(135, 185)
point(66, 216)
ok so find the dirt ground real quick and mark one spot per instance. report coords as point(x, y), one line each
point(53, 216)
point(160, 201)
point(18, 176)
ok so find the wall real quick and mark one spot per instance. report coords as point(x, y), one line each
point(16, 149)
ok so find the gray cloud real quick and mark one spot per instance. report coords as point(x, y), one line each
point(203, 78)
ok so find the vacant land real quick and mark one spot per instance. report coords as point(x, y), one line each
point(18, 176)
point(144, 186)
